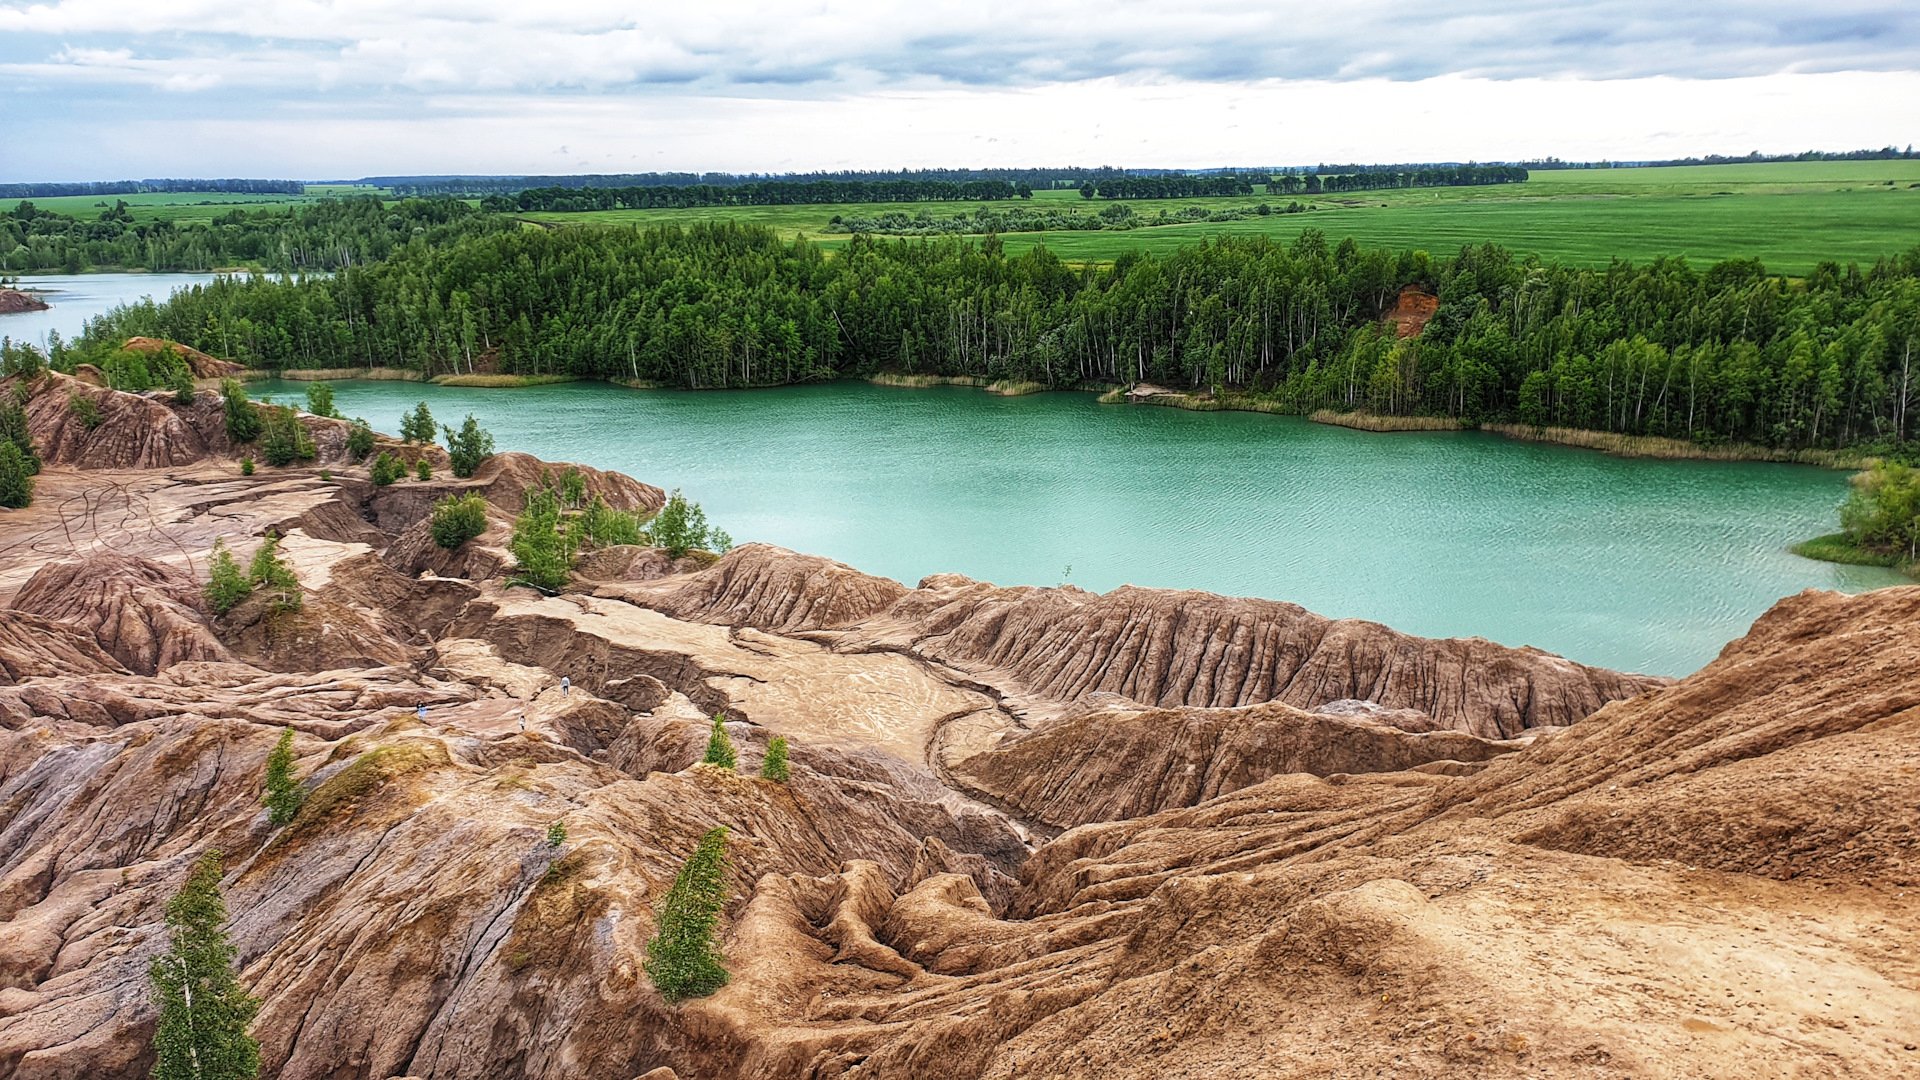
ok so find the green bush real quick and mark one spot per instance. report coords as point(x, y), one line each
point(243, 421)
point(204, 1011)
point(184, 390)
point(774, 765)
point(268, 571)
point(320, 400)
point(422, 470)
point(386, 469)
point(603, 525)
point(1883, 513)
point(542, 549)
point(226, 585)
point(283, 795)
point(573, 487)
point(86, 410)
point(683, 960)
point(469, 447)
point(458, 519)
point(556, 834)
point(359, 439)
point(246, 466)
point(720, 745)
point(418, 426)
point(285, 439)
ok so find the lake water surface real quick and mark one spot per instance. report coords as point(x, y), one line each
point(1635, 564)
point(75, 298)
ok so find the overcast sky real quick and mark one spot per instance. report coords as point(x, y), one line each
point(106, 89)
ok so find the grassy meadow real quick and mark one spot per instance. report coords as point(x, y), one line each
point(185, 206)
point(1791, 215)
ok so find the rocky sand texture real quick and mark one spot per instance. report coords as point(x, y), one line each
point(1029, 832)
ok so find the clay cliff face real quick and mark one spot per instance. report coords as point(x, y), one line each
point(1153, 646)
point(1292, 846)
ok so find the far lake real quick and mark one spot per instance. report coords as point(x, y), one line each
point(1643, 565)
point(75, 298)
point(1635, 564)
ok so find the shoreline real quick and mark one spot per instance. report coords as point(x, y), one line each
point(1614, 444)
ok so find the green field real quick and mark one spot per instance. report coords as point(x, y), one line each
point(1792, 215)
point(186, 206)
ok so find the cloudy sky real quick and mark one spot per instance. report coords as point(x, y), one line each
point(104, 89)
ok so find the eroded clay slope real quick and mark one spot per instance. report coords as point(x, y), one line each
point(1154, 646)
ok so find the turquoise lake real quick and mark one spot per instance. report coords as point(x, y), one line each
point(1635, 564)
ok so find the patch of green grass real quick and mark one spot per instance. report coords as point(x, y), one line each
point(1790, 215)
point(185, 206)
point(1840, 548)
point(502, 380)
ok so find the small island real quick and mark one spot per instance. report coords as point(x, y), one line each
point(17, 301)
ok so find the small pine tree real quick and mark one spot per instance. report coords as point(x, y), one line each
point(320, 400)
point(418, 426)
point(243, 421)
point(720, 745)
point(469, 447)
point(422, 470)
point(226, 585)
point(556, 834)
point(14, 429)
point(246, 465)
point(204, 1011)
point(268, 571)
point(16, 478)
point(283, 794)
point(359, 439)
point(573, 487)
point(682, 958)
point(774, 765)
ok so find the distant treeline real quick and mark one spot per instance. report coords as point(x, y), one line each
point(1729, 353)
point(1885, 153)
point(1438, 176)
point(777, 193)
point(329, 234)
point(1115, 217)
point(138, 187)
point(469, 186)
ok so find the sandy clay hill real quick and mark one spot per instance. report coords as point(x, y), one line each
point(1029, 832)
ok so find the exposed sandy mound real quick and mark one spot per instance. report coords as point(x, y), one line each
point(1154, 646)
point(202, 365)
point(133, 432)
point(769, 588)
point(1109, 764)
point(36, 647)
point(149, 616)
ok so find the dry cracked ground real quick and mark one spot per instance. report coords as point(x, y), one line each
point(1029, 832)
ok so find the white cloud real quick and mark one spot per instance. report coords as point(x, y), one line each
point(337, 87)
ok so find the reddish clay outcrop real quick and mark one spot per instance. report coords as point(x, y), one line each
point(202, 365)
point(14, 301)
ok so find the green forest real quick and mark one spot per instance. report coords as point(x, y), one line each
point(330, 234)
point(1729, 353)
